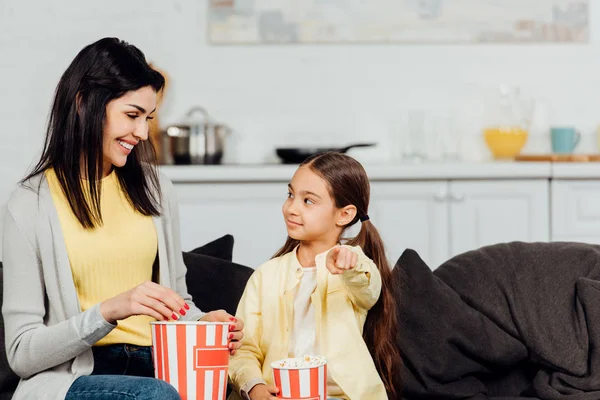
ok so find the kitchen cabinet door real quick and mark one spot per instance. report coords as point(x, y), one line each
point(488, 212)
point(576, 210)
point(251, 212)
point(412, 215)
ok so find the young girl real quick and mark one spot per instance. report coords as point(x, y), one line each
point(314, 296)
point(91, 241)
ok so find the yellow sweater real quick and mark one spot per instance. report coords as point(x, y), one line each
point(341, 304)
point(112, 258)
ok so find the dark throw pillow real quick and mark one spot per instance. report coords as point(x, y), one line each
point(220, 248)
point(448, 348)
point(215, 283)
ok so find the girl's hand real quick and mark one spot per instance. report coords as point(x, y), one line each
point(149, 299)
point(340, 259)
point(236, 329)
point(263, 392)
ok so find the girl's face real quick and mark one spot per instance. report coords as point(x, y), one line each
point(126, 125)
point(310, 213)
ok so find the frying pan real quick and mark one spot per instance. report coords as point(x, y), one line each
point(296, 155)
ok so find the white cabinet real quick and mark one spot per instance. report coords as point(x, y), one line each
point(576, 210)
point(488, 212)
point(251, 212)
point(440, 219)
point(411, 215)
point(437, 218)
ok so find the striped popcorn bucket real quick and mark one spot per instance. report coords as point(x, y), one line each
point(298, 380)
point(193, 357)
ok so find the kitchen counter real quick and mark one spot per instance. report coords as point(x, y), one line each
point(381, 172)
point(584, 170)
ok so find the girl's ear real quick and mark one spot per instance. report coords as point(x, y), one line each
point(345, 215)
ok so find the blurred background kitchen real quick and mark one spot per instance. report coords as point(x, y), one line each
point(478, 119)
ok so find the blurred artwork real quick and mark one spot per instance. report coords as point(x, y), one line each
point(397, 21)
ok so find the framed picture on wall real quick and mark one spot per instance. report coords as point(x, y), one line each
point(397, 21)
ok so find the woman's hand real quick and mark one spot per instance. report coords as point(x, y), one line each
point(263, 392)
point(149, 299)
point(340, 259)
point(236, 328)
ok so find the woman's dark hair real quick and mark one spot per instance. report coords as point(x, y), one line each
point(349, 185)
point(101, 72)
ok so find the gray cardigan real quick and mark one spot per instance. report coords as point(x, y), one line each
point(48, 337)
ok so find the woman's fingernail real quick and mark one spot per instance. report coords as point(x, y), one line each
point(230, 336)
point(186, 306)
point(231, 327)
point(182, 311)
point(233, 319)
point(174, 317)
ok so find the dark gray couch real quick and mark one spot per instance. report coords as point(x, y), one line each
point(504, 322)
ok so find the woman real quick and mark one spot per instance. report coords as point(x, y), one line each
point(91, 241)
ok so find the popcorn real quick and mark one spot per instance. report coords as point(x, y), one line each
point(307, 361)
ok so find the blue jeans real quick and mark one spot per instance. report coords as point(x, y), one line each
point(121, 372)
point(123, 359)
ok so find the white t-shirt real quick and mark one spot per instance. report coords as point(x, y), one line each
point(303, 339)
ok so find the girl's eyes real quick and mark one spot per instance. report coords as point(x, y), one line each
point(306, 201)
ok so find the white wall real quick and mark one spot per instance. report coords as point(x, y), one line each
point(270, 94)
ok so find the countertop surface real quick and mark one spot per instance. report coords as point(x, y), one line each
point(382, 172)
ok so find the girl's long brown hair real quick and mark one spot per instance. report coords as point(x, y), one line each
point(349, 185)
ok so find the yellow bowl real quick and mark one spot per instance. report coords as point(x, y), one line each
point(505, 142)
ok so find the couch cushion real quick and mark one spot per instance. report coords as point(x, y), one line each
point(448, 348)
point(215, 283)
point(220, 248)
point(547, 296)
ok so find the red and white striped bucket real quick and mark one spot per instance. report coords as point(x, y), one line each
point(193, 357)
point(298, 381)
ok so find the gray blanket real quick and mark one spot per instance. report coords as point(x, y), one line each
point(509, 321)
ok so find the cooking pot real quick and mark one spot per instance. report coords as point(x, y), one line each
point(196, 141)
